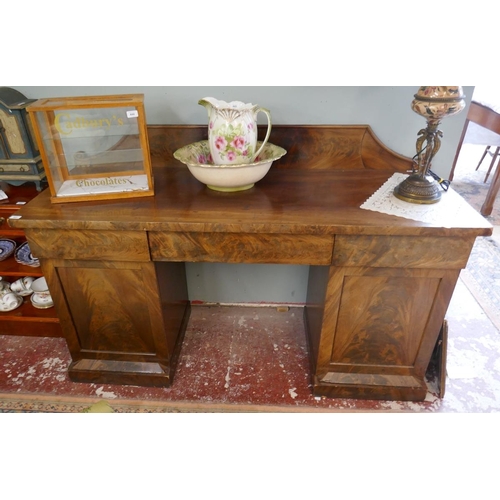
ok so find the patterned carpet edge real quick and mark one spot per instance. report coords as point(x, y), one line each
point(31, 403)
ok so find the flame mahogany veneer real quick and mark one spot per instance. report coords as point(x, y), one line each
point(379, 285)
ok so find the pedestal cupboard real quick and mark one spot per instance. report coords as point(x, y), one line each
point(379, 285)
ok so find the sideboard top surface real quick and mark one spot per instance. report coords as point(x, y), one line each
point(316, 188)
point(291, 201)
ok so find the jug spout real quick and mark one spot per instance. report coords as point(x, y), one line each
point(208, 103)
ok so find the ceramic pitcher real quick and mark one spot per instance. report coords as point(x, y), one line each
point(232, 131)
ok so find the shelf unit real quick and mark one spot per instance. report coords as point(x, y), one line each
point(26, 319)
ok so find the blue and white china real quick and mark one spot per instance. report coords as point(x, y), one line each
point(24, 256)
point(7, 248)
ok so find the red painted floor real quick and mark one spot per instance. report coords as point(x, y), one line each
point(258, 356)
point(230, 355)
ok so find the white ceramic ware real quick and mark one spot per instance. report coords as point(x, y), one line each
point(232, 131)
point(41, 303)
point(11, 305)
point(41, 293)
point(22, 286)
point(198, 159)
point(9, 301)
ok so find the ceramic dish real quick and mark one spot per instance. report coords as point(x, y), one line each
point(40, 303)
point(24, 256)
point(236, 177)
point(11, 307)
point(7, 248)
point(22, 286)
point(40, 286)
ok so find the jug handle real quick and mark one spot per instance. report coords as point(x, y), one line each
point(268, 133)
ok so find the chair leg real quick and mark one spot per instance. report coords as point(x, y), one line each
point(482, 158)
point(495, 155)
point(487, 206)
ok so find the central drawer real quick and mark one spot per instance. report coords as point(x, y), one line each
point(238, 248)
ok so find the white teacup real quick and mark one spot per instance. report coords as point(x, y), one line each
point(41, 290)
point(22, 286)
point(9, 300)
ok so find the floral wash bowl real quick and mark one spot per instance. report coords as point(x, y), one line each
point(236, 177)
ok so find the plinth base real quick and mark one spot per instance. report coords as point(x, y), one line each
point(370, 386)
point(152, 374)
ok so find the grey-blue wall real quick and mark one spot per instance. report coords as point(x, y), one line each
point(386, 109)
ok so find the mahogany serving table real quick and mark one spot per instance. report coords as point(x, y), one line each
point(379, 285)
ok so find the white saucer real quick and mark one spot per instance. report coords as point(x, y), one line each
point(41, 304)
point(6, 308)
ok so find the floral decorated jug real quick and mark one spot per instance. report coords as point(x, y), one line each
point(232, 131)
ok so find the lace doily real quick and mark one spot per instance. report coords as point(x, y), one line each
point(449, 211)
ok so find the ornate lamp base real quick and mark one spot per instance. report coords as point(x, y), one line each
point(418, 189)
point(433, 103)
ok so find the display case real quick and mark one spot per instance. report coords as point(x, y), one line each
point(94, 147)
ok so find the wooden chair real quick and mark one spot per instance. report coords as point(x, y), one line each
point(485, 116)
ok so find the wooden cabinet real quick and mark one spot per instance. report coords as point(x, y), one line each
point(378, 289)
point(378, 329)
point(26, 319)
point(123, 321)
point(122, 313)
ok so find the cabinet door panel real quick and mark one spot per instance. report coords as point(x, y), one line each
point(381, 319)
point(109, 308)
point(379, 328)
point(123, 321)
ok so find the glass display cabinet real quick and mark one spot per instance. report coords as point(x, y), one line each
point(94, 147)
